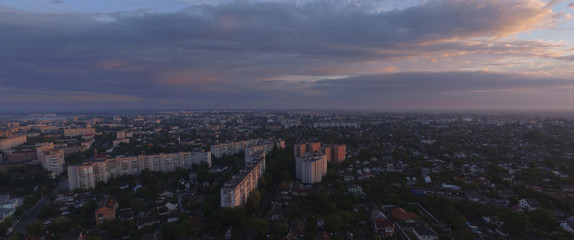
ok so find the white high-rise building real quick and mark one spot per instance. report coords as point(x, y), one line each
point(311, 167)
point(53, 161)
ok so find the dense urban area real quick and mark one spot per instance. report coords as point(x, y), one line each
point(286, 175)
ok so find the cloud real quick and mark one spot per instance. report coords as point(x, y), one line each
point(449, 89)
point(571, 5)
point(225, 54)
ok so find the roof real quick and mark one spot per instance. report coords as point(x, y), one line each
point(403, 215)
point(109, 202)
point(424, 231)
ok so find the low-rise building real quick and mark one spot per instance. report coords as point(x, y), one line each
point(106, 209)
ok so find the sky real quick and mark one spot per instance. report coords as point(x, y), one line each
point(85, 55)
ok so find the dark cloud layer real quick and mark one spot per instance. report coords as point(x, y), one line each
point(225, 55)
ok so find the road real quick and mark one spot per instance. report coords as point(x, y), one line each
point(32, 214)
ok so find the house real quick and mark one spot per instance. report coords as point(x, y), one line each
point(570, 222)
point(106, 209)
point(384, 227)
point(529, 204)
point(425, 233)
point(568, 188)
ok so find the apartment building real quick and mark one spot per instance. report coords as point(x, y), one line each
point(236, 191)
point(311, 167)
point(73, 132)
point(53, 161)
point(8, 143)
point(87, 175)
point(227, 149)
point(335, 153)
point(231, 148)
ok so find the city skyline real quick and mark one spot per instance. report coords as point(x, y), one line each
point(333, 54)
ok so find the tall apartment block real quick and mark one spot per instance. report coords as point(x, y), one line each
point(334, 153)
point(87, 175)
point(50, 159)
point(311, 167)
point(54, 161)
point(236, 191)
point(338, 153)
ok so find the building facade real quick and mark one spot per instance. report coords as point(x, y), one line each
point(311, 167)
point(73, 132)
point(338, 153)
point(86, 176)
point(231, 148)
point(53, 161)
point(236, 191)
point(8, 143)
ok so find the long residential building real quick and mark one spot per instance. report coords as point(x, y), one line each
point(236, 191)
point(265, 145)
point(72, 132)
point(87, 175)
point(8, 143)
point(231, 148)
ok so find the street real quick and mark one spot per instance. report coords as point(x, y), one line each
point(32, 214)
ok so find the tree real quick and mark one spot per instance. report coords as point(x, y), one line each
point(459, 223)
point(253, 201)
point(279, 230)
point(513, 201)
point(259, 226)
point(34, 228)
point(334, 223)
point(515, 221)
point(544, 219)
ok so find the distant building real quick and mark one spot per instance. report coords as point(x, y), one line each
point(231, 148)
point(335, 124)
point(117, 142)
point(8, 143)
point(338, 153)
point(25, 155)
point(334, 153)
point(106, 209)
point(73, 132)
point(51, 159)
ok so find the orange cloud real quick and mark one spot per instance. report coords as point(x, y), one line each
point(111, 64)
